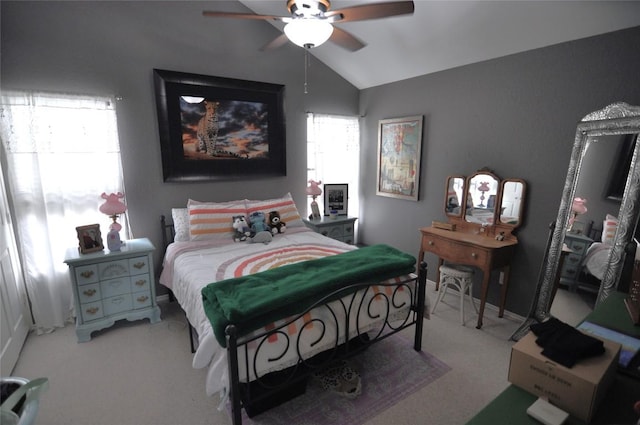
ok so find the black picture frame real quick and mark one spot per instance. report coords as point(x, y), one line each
point(336, 197)
point(243, 121)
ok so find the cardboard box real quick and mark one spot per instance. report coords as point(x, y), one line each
point(577, 390)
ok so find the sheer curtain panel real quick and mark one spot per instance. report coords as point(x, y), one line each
point(62, 152)
point(333, 153)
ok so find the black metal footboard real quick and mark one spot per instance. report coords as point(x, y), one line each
point(353, 304)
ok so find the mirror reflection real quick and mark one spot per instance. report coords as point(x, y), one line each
point(592, 223)
point(598, 215)
point(512, 201)
point(454, 196)
point(482, 193)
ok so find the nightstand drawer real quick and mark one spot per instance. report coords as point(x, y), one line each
point(114, 287)
point(139, 265)
point(341, 228)
point(92, 311)
point(333, 232)
point(141, 299)
point(89, 293)
point(140, 283)
point(347, 230)
point(86, 274)
point(112, 269)
point(578, 247)
point(117, 304)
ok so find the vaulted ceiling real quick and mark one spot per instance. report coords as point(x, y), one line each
point(445, 34)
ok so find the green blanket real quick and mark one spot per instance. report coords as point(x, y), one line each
point(253, 301)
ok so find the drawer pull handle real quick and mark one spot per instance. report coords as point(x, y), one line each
point(431, 243)
point(142, 299)
point(141, 282)
point(474, 255)
point(139, 264)
point(87, 274)
point(93, 310)
point(90, 292)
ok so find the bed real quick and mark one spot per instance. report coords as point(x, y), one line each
point(258, 348)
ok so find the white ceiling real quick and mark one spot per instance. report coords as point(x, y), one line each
point(445, 34)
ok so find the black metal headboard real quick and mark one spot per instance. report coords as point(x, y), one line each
point(168, 232)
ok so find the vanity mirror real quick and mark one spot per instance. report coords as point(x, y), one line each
point(491, 205)
point(482, 194)
point(453, 196)
point(601, 131)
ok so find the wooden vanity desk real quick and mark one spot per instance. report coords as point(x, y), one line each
point(482, 211)
point(471, 249)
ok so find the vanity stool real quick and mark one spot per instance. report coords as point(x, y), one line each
point(461, 278)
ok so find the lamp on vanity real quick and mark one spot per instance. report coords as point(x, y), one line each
point(314, 191)
point(113, 206)
point(578, 207)
point(484, 187)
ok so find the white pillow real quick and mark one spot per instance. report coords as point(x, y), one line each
point(180, 218)
point(285, 206)
point(213, 220)
point(609, 226)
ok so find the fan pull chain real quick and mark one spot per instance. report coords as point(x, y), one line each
point(306, 67)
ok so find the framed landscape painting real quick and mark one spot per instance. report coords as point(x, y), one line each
point(214, 128)
point(399, 153)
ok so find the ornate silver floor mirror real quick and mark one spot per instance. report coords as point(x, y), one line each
point(611, 125)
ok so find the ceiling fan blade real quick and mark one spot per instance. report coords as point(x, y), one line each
point(213, 14)
point(277, 42)
point(373, 11)
point(346, 40)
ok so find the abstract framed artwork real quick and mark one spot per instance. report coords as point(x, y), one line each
point(399, 154)
point(336, 198)
point(214, 128)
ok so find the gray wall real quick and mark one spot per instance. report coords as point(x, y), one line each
point(112, 48)
point(516, 115)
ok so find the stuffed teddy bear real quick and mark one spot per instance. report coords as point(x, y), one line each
point(260, 231)
point(276, 223)
point(241, 228)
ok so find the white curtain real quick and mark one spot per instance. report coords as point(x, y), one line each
point(333, 153)
point(62, 152)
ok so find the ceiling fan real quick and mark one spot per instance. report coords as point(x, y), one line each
point(310, 23)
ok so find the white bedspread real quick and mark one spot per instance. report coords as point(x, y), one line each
point(596, 259)
point(188, 267)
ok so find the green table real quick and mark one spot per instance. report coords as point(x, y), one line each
point(510, 406)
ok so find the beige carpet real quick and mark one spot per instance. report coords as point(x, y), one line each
point(137, 373)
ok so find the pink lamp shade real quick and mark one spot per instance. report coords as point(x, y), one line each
point(314, 188)
point(579, 205)
point(112, 207)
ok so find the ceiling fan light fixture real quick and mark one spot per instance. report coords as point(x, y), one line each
point(308, 33)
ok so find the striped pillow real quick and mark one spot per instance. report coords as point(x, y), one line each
point(285, 206)
point(609, 226)
point(209, 220)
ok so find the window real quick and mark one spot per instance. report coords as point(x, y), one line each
point(62, 152)
point(333, 153)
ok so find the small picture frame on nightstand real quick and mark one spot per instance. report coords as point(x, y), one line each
point(89, 238)
point(336, 198)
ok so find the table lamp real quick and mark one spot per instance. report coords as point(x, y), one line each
point(112, 207)
point(578, 207)
point(314, 191)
